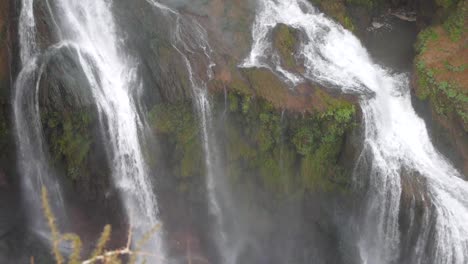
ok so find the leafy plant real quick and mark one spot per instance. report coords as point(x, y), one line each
point(424, 37)
point(446, 96)
point(460, 68)
point(455, 23)
point(100, 254)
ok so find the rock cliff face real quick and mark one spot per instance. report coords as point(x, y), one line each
point(280, 143)
point(70, 120)
point(11, 219)
point(6, 145)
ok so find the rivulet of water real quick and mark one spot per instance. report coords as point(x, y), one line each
point(190, 40)
point(33, 159)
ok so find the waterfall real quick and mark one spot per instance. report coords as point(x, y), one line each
point(87, 27)
point(396, 139)
point(190, 40)
point(33, 158)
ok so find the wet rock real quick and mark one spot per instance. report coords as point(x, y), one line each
point(162, 67)
point(416, 212)
point(286, 42)
point(45, 24)
point(74, 139)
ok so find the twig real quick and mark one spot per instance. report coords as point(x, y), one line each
point(119, 252)
point(129, 239)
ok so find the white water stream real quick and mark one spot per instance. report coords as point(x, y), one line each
point(190, 40)
point(33, 159)
point(87, 26)
point(394, 135)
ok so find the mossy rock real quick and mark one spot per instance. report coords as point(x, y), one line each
point(262, 145)
point(289, 154)
point(285, 40)
point(455, 25)
point(70, 139)
point(177, 124)
point(337, 10)
point(71, 126)
point(266, 85)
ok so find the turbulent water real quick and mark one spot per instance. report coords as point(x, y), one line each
point(396, 139)
point(87, 28)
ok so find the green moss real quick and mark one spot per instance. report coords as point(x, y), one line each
point(266, 85)
point(452, 68)
point(70, 139)
point(285, 40)
point(455, 23)
point(299, 154)
point(424, 37)
point(262, 148)
point(446, 97)
point(319, 168)
point(233, 102)
point(304, 139)
point(319, 140)
point(237, 83)
point(177, 119)
point(348, 23)
point(337, 10)
point(177, 124)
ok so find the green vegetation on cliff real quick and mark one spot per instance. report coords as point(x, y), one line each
point(441, 79)
point(337, 10)
point(445, 96)
point(285, 155)
point(455, 23)
point(293, 153)
point(176, 125)
point(440, 65)
point(69, 134)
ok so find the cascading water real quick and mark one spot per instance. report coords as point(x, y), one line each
point(33, 159)
point(87, 27)
point(396, 139)
point(189, 38)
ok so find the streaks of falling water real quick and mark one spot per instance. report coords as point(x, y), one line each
point(190, 40)
point(88, 28)
point(89, 25)
point(395, 136)
point(33, 160)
